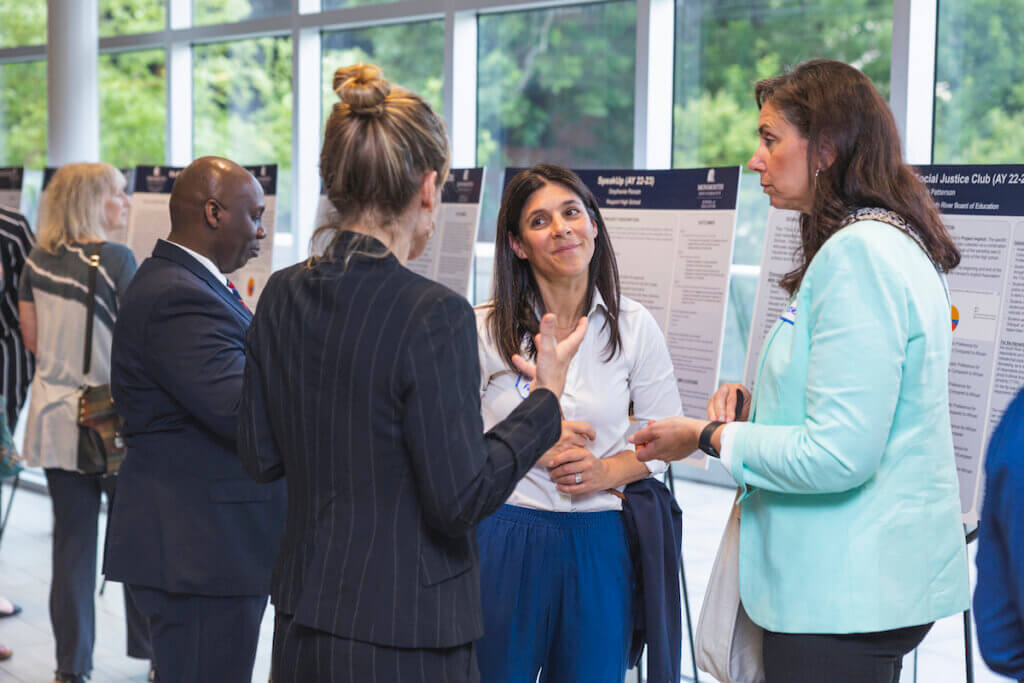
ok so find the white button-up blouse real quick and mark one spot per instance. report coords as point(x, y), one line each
point(597, 391)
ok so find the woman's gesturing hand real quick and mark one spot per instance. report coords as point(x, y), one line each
point(577, 471)
point(552, 362)
point(575, 434)
point(673, 438)
point(722, 404)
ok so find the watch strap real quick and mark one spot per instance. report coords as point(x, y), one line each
point(704, 442)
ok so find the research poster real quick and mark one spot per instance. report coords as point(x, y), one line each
point(150, 220)
point(781, 241)
point(983, 209)
point(673, 237)
point(448, 258)
point(11, 180)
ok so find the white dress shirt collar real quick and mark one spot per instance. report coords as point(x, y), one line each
point(205, 262)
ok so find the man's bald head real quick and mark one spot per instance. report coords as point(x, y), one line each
point(216, 208)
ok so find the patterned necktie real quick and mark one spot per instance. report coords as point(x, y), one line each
point(238, 296)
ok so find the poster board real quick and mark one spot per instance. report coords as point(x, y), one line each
point(150, 220)
point(983, 209)
point(448, 257)
point(672, 231)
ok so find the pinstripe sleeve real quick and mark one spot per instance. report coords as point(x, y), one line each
point(462, 475)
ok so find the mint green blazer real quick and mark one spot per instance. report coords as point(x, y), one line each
point(850, 518)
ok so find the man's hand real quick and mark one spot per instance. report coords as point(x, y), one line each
point(553, 357)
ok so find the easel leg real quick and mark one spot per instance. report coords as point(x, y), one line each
point(968, 647)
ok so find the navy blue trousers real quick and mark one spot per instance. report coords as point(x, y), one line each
point(201, 639)
point(557, 593)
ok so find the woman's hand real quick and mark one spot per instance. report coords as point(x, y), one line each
point(553, 356)
point(577, 471)
point(575, 434)
point(722, 404)
point(673, 438)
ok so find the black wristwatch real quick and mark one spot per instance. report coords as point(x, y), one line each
point(704, 442)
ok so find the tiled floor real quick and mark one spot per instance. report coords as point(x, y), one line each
point(25, 577)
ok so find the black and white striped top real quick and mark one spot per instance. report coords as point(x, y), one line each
point(16, 363)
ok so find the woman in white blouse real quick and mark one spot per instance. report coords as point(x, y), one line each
point(556, 574)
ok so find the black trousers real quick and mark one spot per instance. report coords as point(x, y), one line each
point(848, 658)
point(201, 639)
point(76, 509)
point(306, 655)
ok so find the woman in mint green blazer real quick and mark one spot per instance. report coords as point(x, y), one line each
point(851, 543)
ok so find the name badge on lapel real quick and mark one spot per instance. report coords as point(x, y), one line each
point(789, 316)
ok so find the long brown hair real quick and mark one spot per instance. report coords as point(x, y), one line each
point(378, 142)
point(516, 298)
point(843, 117)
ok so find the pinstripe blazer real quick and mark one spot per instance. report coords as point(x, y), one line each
point(362, 387)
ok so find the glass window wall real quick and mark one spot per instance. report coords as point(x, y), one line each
point(979, 83)
point(133, 108)
point(242, 108)
point(410, 55)
point(120, 17)
point(22, 22)
point(225, 11)
point(722, 50)
point(554, 85)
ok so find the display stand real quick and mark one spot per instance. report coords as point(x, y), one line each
point(670, 481)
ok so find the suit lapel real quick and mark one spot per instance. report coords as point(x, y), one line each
point(171, 252)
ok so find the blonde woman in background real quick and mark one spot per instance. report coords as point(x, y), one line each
point(82, 203)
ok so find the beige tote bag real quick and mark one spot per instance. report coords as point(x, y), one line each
point(728, 642)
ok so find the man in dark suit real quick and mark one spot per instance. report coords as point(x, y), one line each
point(190, 534)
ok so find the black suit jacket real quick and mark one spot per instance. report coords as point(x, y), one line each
point(362, 384)
point(186, 518)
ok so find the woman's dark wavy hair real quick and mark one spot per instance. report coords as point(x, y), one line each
point(515, 295)
point(840, 113)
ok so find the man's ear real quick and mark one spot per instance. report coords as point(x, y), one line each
point(428, 191)
point(212, 210)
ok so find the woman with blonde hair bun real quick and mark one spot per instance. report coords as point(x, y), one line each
point(370, 408)
point(83, 203)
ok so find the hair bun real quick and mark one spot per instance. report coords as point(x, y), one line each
point(362, 88)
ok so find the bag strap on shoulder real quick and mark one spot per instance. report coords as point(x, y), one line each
point(90, 308)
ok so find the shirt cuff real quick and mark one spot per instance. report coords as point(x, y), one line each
point(656, 466)
point(725, 452)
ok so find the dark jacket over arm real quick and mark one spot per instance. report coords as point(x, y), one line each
point(362, 387)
